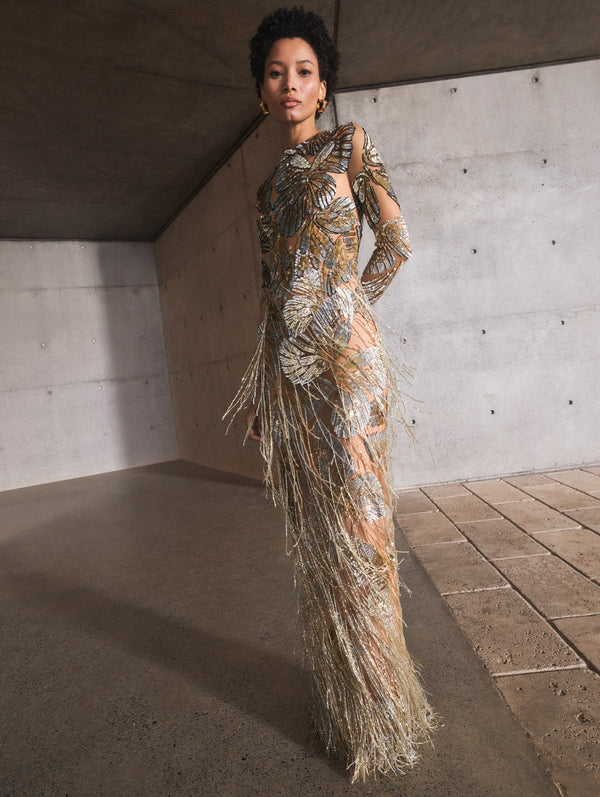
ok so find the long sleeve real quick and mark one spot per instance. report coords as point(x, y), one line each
point(377, 202)
point(322, 387)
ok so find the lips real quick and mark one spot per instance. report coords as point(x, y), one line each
point(290, 103)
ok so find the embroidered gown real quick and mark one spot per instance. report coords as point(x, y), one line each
point(320, 383)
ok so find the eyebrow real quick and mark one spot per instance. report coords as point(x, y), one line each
point(280, 63)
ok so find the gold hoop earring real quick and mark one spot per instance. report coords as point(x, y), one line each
point(264, 108)
point(321, 105)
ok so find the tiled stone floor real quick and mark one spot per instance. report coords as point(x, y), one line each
point(517, 560)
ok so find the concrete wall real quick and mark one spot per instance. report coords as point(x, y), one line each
point(209, 280)
point(498, 176)
point(83, 382)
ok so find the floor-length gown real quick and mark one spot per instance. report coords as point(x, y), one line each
point(320, 382)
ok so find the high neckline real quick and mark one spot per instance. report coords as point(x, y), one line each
point(308, 141)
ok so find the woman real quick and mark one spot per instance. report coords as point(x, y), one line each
point(319, 387)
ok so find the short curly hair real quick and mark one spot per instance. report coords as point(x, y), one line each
point(291, 23)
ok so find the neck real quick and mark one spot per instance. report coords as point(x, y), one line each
point(292, 135)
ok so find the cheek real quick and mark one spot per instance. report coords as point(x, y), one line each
point(270, 85)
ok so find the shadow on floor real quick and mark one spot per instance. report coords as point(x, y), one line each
point(150, 647)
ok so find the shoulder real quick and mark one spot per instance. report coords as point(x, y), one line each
point(351, 132)
point(356, 139)
point(348, 143)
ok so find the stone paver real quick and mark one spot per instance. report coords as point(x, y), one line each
point(580, 479)
point(427, 528)
point(561, 497)
point(532, 516)
point(464, 508)
point(507, 633)
point(527, 479)
point(445, 490)
point(408, 501)
point(560, 712)
point(498, 537)
point(587, 517)
point(554, 588)
point(457, 566)
point(579, 547)
point(497, 491)
point(538, 632)
point(584, 633)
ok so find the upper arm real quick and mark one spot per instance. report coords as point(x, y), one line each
point(376, 201)
point(371, 186)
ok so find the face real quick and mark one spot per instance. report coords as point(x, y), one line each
point(291, 86)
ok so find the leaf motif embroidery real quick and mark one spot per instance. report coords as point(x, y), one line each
point(303, 186)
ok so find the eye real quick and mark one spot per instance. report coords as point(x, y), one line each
point(274, 73)
point(305, 72)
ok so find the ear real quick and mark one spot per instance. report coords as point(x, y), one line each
point(323, 90)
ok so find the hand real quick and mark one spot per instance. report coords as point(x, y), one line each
point(254, 424)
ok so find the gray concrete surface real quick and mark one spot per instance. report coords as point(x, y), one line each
point(209, 285)
point(116, 111)
point(84, 386)
point(149, 647)
point(499, 306)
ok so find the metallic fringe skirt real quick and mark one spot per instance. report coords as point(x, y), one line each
point(329, 475)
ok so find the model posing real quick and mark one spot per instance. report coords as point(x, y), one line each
point(319, 388)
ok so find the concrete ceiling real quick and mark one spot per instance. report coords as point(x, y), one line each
point(114, 112)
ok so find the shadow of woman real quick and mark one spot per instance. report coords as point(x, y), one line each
point(256, 681)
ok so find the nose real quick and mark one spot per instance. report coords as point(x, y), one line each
point(289, 84)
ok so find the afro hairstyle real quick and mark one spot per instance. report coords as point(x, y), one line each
point(292, 23)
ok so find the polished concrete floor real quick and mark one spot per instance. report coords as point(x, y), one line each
point(149, 646)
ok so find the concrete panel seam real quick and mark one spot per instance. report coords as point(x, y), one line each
point(99, 381)
point(465, 323)
point(461, 75)
point(75, 288)
point(492, 155)
point(206, 363)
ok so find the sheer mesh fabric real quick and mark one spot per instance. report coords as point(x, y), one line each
point(321, 383)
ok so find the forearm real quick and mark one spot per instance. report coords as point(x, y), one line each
point(392, 249)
